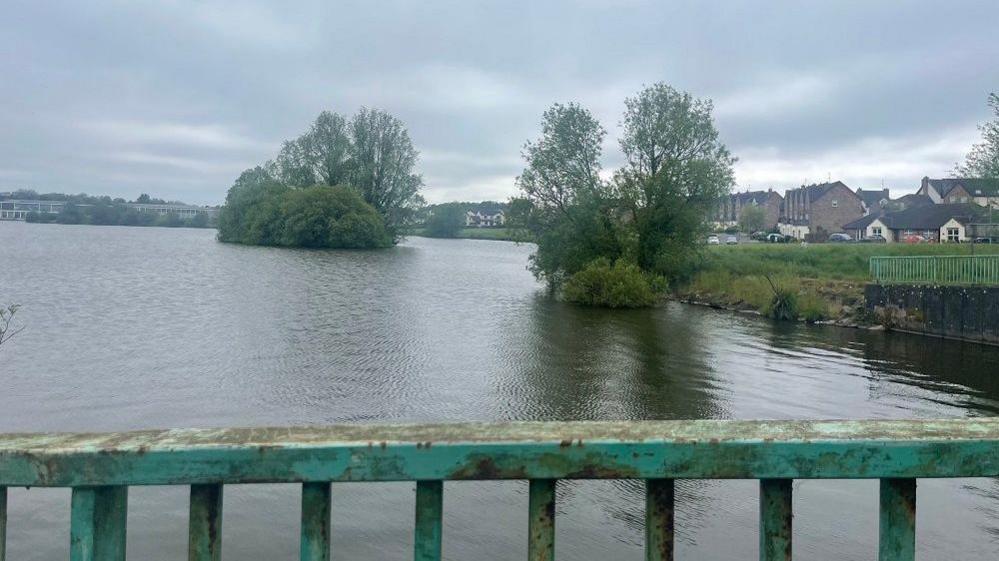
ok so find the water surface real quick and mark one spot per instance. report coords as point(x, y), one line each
point(133, 328)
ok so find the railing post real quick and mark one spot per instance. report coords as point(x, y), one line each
point(316, 511)
point(429, 519)
point(204, 542)
point(98, 516)
point(659, 519)
point(3, 523)
point(897, 523)
point(541, 524)
point(775, 519)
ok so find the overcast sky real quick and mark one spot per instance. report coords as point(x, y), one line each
point(177, 98)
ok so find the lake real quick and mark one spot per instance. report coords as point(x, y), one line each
point(130, 328)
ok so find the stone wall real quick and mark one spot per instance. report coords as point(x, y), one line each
point(959, 312)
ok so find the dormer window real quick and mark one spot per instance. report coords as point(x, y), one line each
point(835, 203)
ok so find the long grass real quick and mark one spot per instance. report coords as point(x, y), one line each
point(820, 261)
point(503, 234)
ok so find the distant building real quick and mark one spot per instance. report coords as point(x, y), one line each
point(812, 212)
point(730, 209)
point(909, 201)
point(489, 218)
point(956, 190)
point(945, 223)
point(874, 201)
point(18, 209)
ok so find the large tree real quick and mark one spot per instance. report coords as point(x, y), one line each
point(566, 204)
point(983, 160)
point(564, 164)
point(382, 162)
point(329, 148)
point(677, 169)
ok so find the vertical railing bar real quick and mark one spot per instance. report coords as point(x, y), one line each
point(317, 502)
point(897, 521)
point(775, 519)
point(659, 519)
point(429, 520)
point(205, 523)
point(98, 520)
point(541, 524)
point(3, 523)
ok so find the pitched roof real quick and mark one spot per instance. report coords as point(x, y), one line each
point(910, 201)
point(759, 197)
point(872, 198)
point(976, 187)
point(818, 190)
point(929, 217)
point(862, 223)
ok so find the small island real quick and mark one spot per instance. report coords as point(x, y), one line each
point(345, 183)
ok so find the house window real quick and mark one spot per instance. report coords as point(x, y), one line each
point(953, 235)
point(876, 231)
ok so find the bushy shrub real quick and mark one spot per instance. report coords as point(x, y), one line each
point(260, 211)
point(621, 285)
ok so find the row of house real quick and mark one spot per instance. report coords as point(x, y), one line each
point(955, 209)
point(18, 209)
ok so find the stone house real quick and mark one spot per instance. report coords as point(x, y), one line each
point(956, 190)
point(812, 212)
point(730, 208)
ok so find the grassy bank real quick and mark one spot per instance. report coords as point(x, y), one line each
point(502, 234)
point(826, 281)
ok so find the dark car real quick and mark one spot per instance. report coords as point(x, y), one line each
point(840, 238)
point(986, 240)
point(874, 239)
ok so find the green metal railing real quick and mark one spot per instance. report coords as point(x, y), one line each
point(101, 467)
point(942, 269)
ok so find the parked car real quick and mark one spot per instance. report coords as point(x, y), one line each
point(914, 238)
point(986, 240)
point(759, 236)
point(713, 240)
point(731, 240)
point(776, 238)
point(874, 239)
point(840, 238)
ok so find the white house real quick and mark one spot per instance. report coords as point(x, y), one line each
point(485, 219)
point(944, 223)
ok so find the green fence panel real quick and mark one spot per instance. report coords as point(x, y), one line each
point(205, 523)
point(939, 269)
point(429, 520)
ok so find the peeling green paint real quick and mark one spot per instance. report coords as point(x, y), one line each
point(99, 467)
point(666, 449)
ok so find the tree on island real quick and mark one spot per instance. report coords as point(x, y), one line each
point(446, 220)
point(639, 229)
point(983, 160)
point(367, 163)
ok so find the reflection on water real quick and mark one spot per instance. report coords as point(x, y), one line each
point(132, 328)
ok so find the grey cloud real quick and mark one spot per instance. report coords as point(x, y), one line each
point(179, 97)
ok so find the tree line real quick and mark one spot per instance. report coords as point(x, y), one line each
point(107, 211)
point(343, 183)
